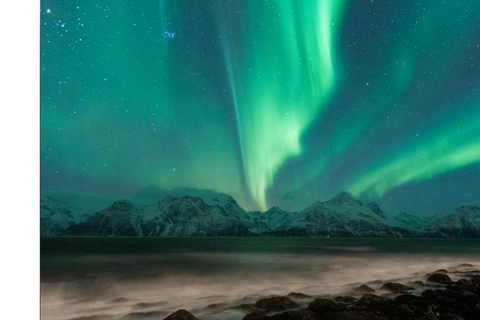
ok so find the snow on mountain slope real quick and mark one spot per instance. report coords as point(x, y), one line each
point(154, 193)
point(191, 216)
point(405, 220)
point(271, 219)
point(341, 216)
point(464, 222)
point(122, 218)
point(218, 214)
point(81, 205)
point(55, 216)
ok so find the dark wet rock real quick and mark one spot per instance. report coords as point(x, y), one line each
point(371, 300)
point(406, 299)
point(458, 300)
point(469, 309)
point(464, 295)
point(432, 294)
point(431, 313)
point(464, 287)
point(322, 306)
point(418, 283)
point(354, 315)
point(395, 287)
point(465, 265)
point(345, 299)
point(441, 271)
point(302, 314)
point(462, 284)
point(248, 308)
point(403, 311)
point(435, 313)
point(475, 282)
point(181, 314)
point(94, 317)
point(276, 303)
point(297, 295)
point(149, 315)
point(449, 316)
point(364, 289)
point(256, 315)
point(439, 278)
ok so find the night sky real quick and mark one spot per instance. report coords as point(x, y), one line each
point(273, 102)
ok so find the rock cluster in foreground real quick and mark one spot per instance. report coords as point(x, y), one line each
point(440, 298)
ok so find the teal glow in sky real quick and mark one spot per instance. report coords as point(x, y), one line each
point(274, 102)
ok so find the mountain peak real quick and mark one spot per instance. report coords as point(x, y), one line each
point(275, 208)
point(122, 205)
point(344, 198)
point(181, 199)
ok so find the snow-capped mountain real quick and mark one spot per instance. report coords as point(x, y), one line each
point(122, 218)
point(212, 198)
point(82, 205)
point(464, 222)
point(271, 219)
point(217, 214)
point(191, 216)
point(341, 216)
point(154, 193)
point(406, 221)
point(55, 216)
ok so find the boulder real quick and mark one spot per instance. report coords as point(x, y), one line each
point(439, 278)
point(364, 289)
point(441, 271)
point(145, 315)
point(298, 296)
point(322, 306)
point(181, 315)
point(276, 303)
point(465, 265)
point(302, 314)
point(256, 315)
point(395, 287)
point(345, 299)
point(371, 300)
point(354, 315)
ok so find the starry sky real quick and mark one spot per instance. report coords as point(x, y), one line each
point(273, 102)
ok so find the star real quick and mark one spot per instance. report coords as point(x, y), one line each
point(169, 34)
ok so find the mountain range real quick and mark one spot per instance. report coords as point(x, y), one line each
point(197, 213)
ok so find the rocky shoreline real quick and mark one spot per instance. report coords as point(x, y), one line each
point(434, 296)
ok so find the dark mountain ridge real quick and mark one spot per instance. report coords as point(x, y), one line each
point(218, 214)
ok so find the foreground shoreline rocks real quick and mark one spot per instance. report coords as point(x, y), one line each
point(439, 298)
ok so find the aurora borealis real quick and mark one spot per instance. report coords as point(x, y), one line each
point(273, 102)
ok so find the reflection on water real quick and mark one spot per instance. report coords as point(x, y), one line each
point(105, 278)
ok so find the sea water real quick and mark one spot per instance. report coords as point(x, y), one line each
point(149, 278)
